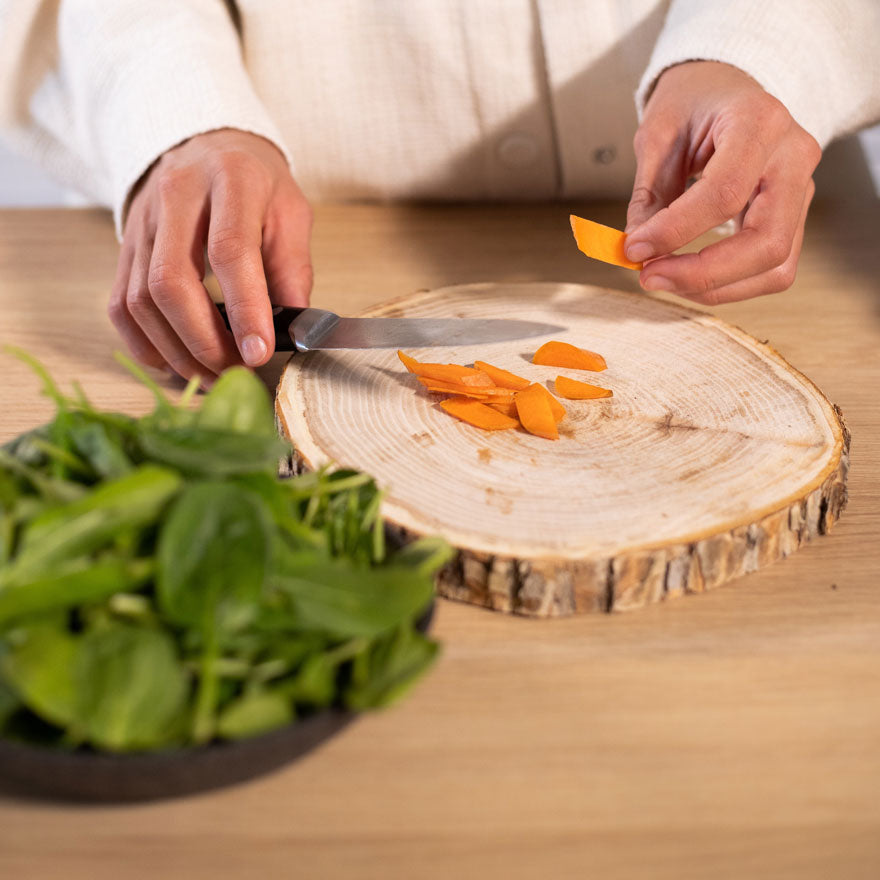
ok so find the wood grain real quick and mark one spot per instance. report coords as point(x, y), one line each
point(730, 737)
point(713, 458)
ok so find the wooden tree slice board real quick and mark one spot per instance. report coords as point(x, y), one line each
point(714, 456)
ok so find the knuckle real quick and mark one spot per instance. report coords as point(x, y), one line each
point(117, 311)
point(235, 164)
point(164, 281)
point(782, 277)
point(209, 354)
point(658, 135)
point(642, 197)
point(226, 247)
point(731, 196)
point(138, 302)
point(776, 249)
point(306, 276)
point(170, 182)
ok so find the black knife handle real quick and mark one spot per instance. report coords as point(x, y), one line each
point(281, 318)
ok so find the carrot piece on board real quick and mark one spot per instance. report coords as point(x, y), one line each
point(475, 413)
point(564, 354)
point(556, 407)
point(533, 409)
point(571, 389)
point(450, 373)
point(601, 242)
point(508, 407)
point(409, 362)
point(487, 394)
point(502, 378)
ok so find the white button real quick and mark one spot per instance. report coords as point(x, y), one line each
point(605, 155)
point(517, 150)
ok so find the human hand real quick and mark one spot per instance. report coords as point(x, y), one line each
point(755, 165)
point(231, 192)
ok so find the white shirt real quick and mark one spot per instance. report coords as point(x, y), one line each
point(415, 99)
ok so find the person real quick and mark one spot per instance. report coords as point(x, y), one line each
point(209, 127)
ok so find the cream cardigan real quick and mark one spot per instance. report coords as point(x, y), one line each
point(388, 99)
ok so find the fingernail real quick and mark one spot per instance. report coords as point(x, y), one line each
point(639, 251)
point(658, 282)
point(253, 350)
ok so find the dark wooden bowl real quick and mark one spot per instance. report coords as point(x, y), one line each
point(43, 772)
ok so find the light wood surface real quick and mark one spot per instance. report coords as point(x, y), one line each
point(731, 735)
point(713, 457)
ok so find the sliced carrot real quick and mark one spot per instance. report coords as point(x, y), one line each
point(508, 407)
point(446, 372)
point(409, 362)
point(571, 389)
point(502, 378)
point(475, 413)
point(601, 242)
point(556, 407)
point(533, 409)
point(564, 354)
point(479, 393)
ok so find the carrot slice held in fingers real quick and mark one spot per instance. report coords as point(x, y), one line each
point(571, 389)
point(564, 354)
point(502, 378)
point(535, 414)
point(475, 413)
point(601, 242)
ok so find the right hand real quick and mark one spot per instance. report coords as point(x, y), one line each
point(230, 192)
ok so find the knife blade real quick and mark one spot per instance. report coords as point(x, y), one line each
point(298, 329)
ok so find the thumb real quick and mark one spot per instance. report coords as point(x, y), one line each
point(661, 177)
point(287, 256)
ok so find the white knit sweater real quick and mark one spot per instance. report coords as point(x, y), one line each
point(406, 98)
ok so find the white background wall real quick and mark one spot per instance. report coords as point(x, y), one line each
point(23, 184)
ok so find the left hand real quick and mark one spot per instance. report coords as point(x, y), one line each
point(755, 165)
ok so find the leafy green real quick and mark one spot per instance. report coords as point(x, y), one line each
point(131, 687)
point(160, 585)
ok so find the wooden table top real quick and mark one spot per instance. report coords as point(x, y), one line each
point(733, 734)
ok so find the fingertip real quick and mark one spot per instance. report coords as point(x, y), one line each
point(254, 350)
point(639, 251)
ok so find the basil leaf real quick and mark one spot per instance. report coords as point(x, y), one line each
point(91, 522)
point(239, 403)
point(255, 712)
point(210, 452)
point(39, 669)
point(334, 596)
point(388, 668)
point(77, 582)
point(212, 556)
point(131, 687)
point(104, 453)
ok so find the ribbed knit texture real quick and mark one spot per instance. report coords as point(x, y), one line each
point(415, 99)
point(820, 58)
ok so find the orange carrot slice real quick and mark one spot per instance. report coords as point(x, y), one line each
point(409, 362)
point(508, 407)
point(601, 242)
point(564, 354)
point(475, 413)
point(452, 388)
point(502, 378)
point(571, 389)
point(556, 407)
point(533, 409)
point(446, 372)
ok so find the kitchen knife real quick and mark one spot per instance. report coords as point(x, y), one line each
point(317, 329)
